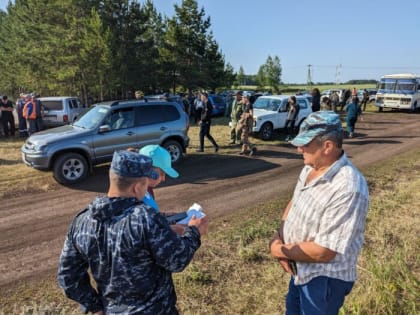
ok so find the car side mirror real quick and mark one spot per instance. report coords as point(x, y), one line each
point(104, 128)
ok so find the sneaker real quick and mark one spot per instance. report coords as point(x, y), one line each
point(253, 151)
point(216, 149)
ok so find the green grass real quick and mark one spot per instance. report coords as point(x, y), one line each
point(233, 273)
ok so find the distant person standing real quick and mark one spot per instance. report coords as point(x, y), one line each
point(20, 104)
point(353, 112)
point(30, 114)
point(334, 100)
point(198, 107)
point(346, 96)
point(365, 99)
point(245, 123)
point(7, 119)
point(205, 123)
point(292, 115)
point(39, 113)
point(229, 101)
point(316, 100)
point(235, 115)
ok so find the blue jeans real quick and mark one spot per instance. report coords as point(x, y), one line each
point(320, 296)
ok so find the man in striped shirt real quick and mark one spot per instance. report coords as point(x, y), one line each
point(322, 227)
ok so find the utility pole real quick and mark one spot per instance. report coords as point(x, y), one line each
point(338, 74)
point(309, 78)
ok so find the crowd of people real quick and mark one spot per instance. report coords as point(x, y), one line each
point(125, 243)
point(30, 114)
point(128, 247)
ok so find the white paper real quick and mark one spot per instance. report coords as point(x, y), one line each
point(196, 210)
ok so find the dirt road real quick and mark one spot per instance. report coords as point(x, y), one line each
point(33, 226)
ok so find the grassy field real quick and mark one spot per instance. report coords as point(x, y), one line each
point(233, 273)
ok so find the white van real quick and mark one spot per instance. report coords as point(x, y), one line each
point(61, 110)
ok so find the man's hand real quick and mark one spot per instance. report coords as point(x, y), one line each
point(284, 263)
point(201, 223)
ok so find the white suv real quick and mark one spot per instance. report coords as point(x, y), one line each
point(270, 113)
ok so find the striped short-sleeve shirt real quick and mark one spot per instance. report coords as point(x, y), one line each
point(330, 211)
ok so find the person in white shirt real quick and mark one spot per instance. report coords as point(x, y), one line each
point(322, 229)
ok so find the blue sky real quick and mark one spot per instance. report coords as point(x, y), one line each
point(368, 38)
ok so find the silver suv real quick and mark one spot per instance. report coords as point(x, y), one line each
point(61, 110)
point(71, 151)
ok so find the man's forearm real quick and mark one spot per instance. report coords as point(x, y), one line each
point(302, 252)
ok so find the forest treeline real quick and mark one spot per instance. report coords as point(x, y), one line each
point(107, 49)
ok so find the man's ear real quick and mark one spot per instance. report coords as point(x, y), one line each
point(328, 146)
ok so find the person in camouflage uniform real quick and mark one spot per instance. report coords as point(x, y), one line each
point(130, 249)
point(235, 116)
point(245, 124)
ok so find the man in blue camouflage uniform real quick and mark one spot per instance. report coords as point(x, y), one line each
point(130, 249)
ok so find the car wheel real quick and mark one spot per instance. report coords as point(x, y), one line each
point(174, 149)
point(70, 168)
point(266, 131)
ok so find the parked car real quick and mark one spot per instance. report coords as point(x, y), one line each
point(218, 103)
point(270, 113)
point(61, 110)
point(71, 151)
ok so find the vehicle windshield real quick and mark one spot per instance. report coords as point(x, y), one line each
point(397, 86)
point(267, 104)
point(92, 118)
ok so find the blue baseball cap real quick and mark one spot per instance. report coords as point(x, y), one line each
point(132, 164)
point(317, 124)
point(161, 158)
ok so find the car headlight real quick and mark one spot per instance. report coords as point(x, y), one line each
point(37, 147)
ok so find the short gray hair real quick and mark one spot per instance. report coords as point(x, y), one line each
point(335, 136)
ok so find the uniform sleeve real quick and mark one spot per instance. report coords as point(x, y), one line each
point(170, 250)
point(74, 279)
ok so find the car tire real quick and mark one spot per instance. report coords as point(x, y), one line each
point(175, 150)
point(266, 131)
point(70, 168)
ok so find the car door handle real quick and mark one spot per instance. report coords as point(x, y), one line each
point(130, 133)
point(163, 128)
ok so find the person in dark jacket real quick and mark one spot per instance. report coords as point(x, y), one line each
point(128, 248)
point(316, 100)
point(7, 118)
point(205, 123)
point(353, 112)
